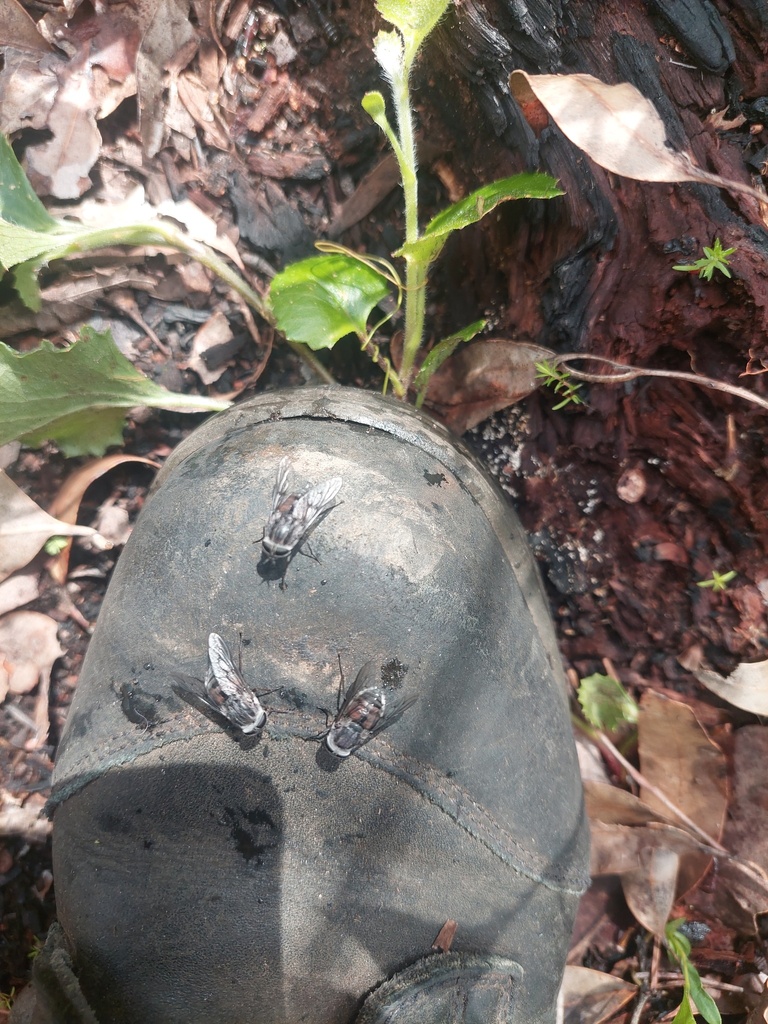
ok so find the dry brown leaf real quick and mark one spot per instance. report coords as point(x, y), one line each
point(19, 589)
point(617, 127)
point(167, 32)
point(678, 758)
point(746, 833)
point(746, 687)
point(28, 649)
point(28, 86)
point(483, 377)
point(66, 504)
point(18, 30)
point(759, 1014)
point(21, 816)
point(592, 997)
point(718, 122)
point(200, 226)
point(25, 527)
point(622, 849)
point(59, 167)
point(650, 889)
point(614, 806)
point(211, 348)
point(197, 101)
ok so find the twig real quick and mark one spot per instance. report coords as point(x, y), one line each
point(625, 373)
point(709, 845)
point(641, 780)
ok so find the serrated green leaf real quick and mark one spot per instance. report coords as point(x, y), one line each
point(78, 396)
point(320, 300)
point(18, 202)
point(19, 244)
point(605, 703)
point(474, 207)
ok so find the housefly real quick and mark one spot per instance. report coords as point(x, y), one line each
point(226, 692)
point(294, 516)
point(366, 709)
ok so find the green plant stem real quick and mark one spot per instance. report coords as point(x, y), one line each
point(159, 233)
point(415, 270)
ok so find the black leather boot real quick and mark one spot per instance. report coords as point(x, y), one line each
point(207, 874)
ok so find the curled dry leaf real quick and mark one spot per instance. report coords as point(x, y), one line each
point(25, 527)
point(483, 377)
point(678, 758)
point(616, 126)
point(593, 996)
point(746, 687)
point(213, 344)
point(18, 30)
point(650, 889)
point(67, 502)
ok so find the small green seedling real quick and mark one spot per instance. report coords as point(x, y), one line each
point(561, 383)
point(718, 581)
point(680, 950)
point(606, 704)
point(7, 998)
point(320, 300)
point(713, 259)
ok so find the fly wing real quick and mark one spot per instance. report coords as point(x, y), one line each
point(368, 678)
point(227, 689)
point(317, 502)
point(192, 692)
point(223, 673)
point(394, 708)
point(282, 484)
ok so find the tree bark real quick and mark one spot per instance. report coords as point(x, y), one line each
point(593, 272)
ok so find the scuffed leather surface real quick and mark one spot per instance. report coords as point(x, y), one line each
point(198, 881)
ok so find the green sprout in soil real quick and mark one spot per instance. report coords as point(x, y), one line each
point(713, 259)
point(680, 950)
point(718, 581)
point(320, 300)
point(606, 704)
point(561, 383)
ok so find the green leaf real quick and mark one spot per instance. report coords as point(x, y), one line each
point(25, 283)
point(78, 396)
point(20, 244)
point(414, 18)
point(703, 1001)
point(18, 202)
point(475, 206)
point(684, 1015)
point(320, 300)
point(437, 356)
point(680, 949)
point(605, 703)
